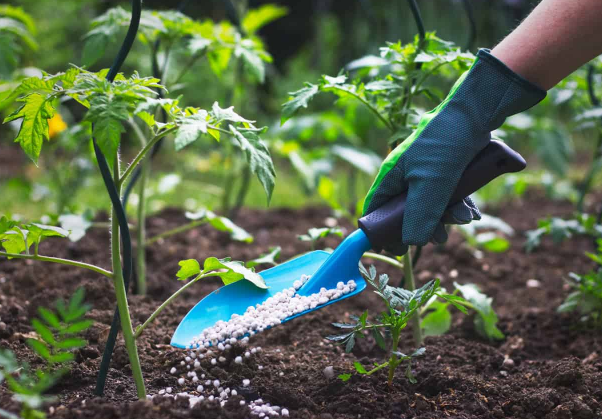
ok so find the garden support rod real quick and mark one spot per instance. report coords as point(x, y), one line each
point(121, 224)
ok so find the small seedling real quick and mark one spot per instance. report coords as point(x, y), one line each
point(560, 230)
point(58, 334)
point(437, 317)
point(586, 297)
point(401, 306)
point(316, 234)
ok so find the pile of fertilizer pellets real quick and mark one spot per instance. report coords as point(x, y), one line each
point(213, 343)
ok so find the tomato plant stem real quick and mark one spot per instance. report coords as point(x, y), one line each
point(410, 285)
point(142, 154)
point(174, 231)
point(383, 258)
point(122, 302)
point(83, 265)
point(159, 309)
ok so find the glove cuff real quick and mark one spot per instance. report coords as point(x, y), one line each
point(508, 93)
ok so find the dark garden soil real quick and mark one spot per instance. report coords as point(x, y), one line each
point(555, 370)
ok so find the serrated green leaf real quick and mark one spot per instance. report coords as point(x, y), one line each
point(253, 63)
point(227, 114)
point(234, 271)
point(35, 112)
point(350, 343)
point(257, 156)
point(106, 115)
point(298, 99)
point(191, 128)
point(188, 268)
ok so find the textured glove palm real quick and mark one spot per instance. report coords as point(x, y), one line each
point(429, 163)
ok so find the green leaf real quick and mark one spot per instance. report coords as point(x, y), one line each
point(380, 340)
point(438, 321)
point(78, 327)
point(61, 358)
point(221, 224)
point(344, 377)
point(315, 234)
point(188, 268)
point(44, 332)
point(350, 343)
point(381, 85)
point(35, 113)
point(71, 343)
point(257, 18)
point(191, 128)
point(267, 258)
point(486, 320)
point(94, 48)
point(364, 160)
point(232, 271)
point(252, 59)
point(360, 368)
point(298, 99)
point(106, 113)
point(491, 242)
point(39, 348)
point(49, 317)
point(227, 114)
point(258, 157)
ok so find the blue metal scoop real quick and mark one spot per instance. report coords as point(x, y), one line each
point(379, 229)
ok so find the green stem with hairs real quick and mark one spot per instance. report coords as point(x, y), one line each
point(120, 293)
point(69, 262)
point(410, 285)
point(142, 154)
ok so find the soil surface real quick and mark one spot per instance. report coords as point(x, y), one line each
point(555, 370)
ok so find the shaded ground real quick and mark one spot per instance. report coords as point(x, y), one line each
point(556, 374)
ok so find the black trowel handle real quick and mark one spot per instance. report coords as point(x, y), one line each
point(383, 226)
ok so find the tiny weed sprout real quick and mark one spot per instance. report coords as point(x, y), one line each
point(488, 234)
point(401, 306)
point(57, 335)
point(586, 297)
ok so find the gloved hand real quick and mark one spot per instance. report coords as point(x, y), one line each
point(429, 163)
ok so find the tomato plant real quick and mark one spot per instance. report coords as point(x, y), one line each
point(110, 101)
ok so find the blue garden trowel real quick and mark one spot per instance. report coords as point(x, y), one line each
point(378, 230)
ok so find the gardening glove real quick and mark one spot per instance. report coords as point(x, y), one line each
point(430, 162)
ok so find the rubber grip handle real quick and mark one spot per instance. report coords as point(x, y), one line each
point(383, 226)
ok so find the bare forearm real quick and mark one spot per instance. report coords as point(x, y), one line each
point(558, 37)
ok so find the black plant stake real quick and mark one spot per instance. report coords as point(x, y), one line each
point(126, 240)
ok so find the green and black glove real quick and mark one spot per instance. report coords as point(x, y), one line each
point(429, 163)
